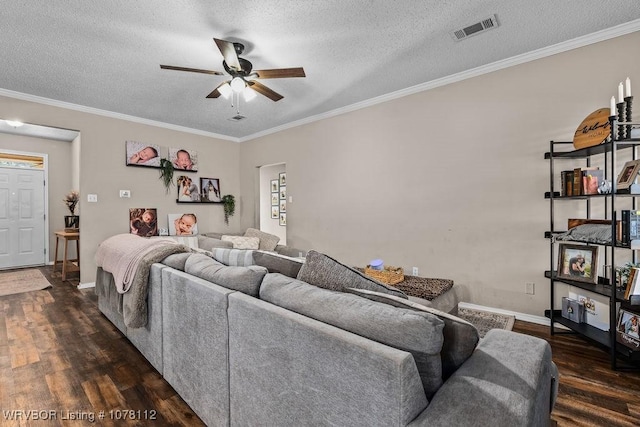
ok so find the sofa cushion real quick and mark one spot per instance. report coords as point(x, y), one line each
point(233, 257)
point(419, 333)
point(177, 261)
point(242, 242)
point(277, 263)
point(268, 242)
point(209, 243)
point(325, 272)
point(460, 336)
point(243, 279)
point(189, 241)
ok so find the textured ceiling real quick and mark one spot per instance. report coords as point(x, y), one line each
point(106, 55)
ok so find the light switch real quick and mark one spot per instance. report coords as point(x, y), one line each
point(125, 193)
point(92, 198)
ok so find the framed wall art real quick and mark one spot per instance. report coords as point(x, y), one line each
point(183, 159)
point(282, 178)
point(187, 189)
point(578, 262)
point(283, 219)
point(143, 221)
point(210, 190)
point(274, 186)
point(274, 199)
point(185, 224)
point(283, 193)
point(142, 154)
point(274, 212)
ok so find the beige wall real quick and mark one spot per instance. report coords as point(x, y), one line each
point(450, 180)
point(102, 171)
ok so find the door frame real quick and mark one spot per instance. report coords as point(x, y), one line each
point(45, 166)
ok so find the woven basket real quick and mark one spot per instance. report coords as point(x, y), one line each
point(389, 276)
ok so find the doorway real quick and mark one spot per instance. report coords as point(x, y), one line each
point(22, 211)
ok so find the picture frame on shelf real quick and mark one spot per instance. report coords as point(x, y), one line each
point(282, 178)
point(275, 212)
point(210, 190)
point(183, 159)
point(185, 224)
point(628, 174)
point(142, 154)
point(283, 219)
point(143, 222)
point(275, 199)
point(274, 186)
point(578, 262)
point(628, 329)
point(187, 189)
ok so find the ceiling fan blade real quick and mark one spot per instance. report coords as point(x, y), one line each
point(263, 90)
point(279, 73)
point(193, 70)
point(228, 51)
point(216, 93)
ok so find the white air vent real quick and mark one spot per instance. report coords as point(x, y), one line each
point(477, 28)
point(237, 118)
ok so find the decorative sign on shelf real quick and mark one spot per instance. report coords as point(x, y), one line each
point(593, 130)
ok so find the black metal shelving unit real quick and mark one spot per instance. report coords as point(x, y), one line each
point(605, 287)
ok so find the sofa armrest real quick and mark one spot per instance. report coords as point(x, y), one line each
point(509, 380)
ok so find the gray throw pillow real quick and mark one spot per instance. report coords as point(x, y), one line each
point(325, 272)
point(268, 242)
point(419, 333)
point(277, 263)
point(460, 336)
point(234, 257)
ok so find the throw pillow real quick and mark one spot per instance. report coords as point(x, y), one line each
point(419, 333)
point(233, 257)
point(268, 242)
point(244, 279)
point(460, 336)
point(277, 263)
point(242, 242)
point(325, 272)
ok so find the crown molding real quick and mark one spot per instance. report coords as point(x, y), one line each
point(599, 36)
point(110, 114)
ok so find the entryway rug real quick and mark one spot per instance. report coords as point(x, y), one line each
point(25, 280)
point(486, 320)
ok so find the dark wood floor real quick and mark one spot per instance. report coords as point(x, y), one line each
point(58, 353)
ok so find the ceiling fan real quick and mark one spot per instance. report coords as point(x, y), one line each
point(242, 74)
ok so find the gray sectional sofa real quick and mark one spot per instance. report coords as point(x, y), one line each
point(244, 346)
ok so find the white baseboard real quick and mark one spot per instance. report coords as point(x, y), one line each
point(540, 320)
point(86, 285)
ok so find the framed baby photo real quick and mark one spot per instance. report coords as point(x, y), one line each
point(628, 174)
point(183, 159)
point(274, 186)
point(210, 190)
point(578, 262)
point(183, 224)
point(282, 178)
point(142, 154)
point(143, 222)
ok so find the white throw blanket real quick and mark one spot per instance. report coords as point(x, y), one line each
point(121, 254)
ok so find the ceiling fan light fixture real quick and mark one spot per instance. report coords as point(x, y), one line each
point(238, 84)
point(249, 93)
point(225, 90)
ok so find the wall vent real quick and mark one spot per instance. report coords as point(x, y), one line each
point(477, 28)
point(237, 118)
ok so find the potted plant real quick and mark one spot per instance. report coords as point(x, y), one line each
point(229, 203)
point(71, 200)
point(166, 173)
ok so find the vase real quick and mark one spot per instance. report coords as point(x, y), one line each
point(71, 222)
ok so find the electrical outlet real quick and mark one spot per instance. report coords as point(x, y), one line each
point(414, 271)
point(530, 288)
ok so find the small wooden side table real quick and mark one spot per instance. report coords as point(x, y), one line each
point(67, 266)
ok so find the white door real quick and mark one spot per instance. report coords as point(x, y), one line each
point(22, 220)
